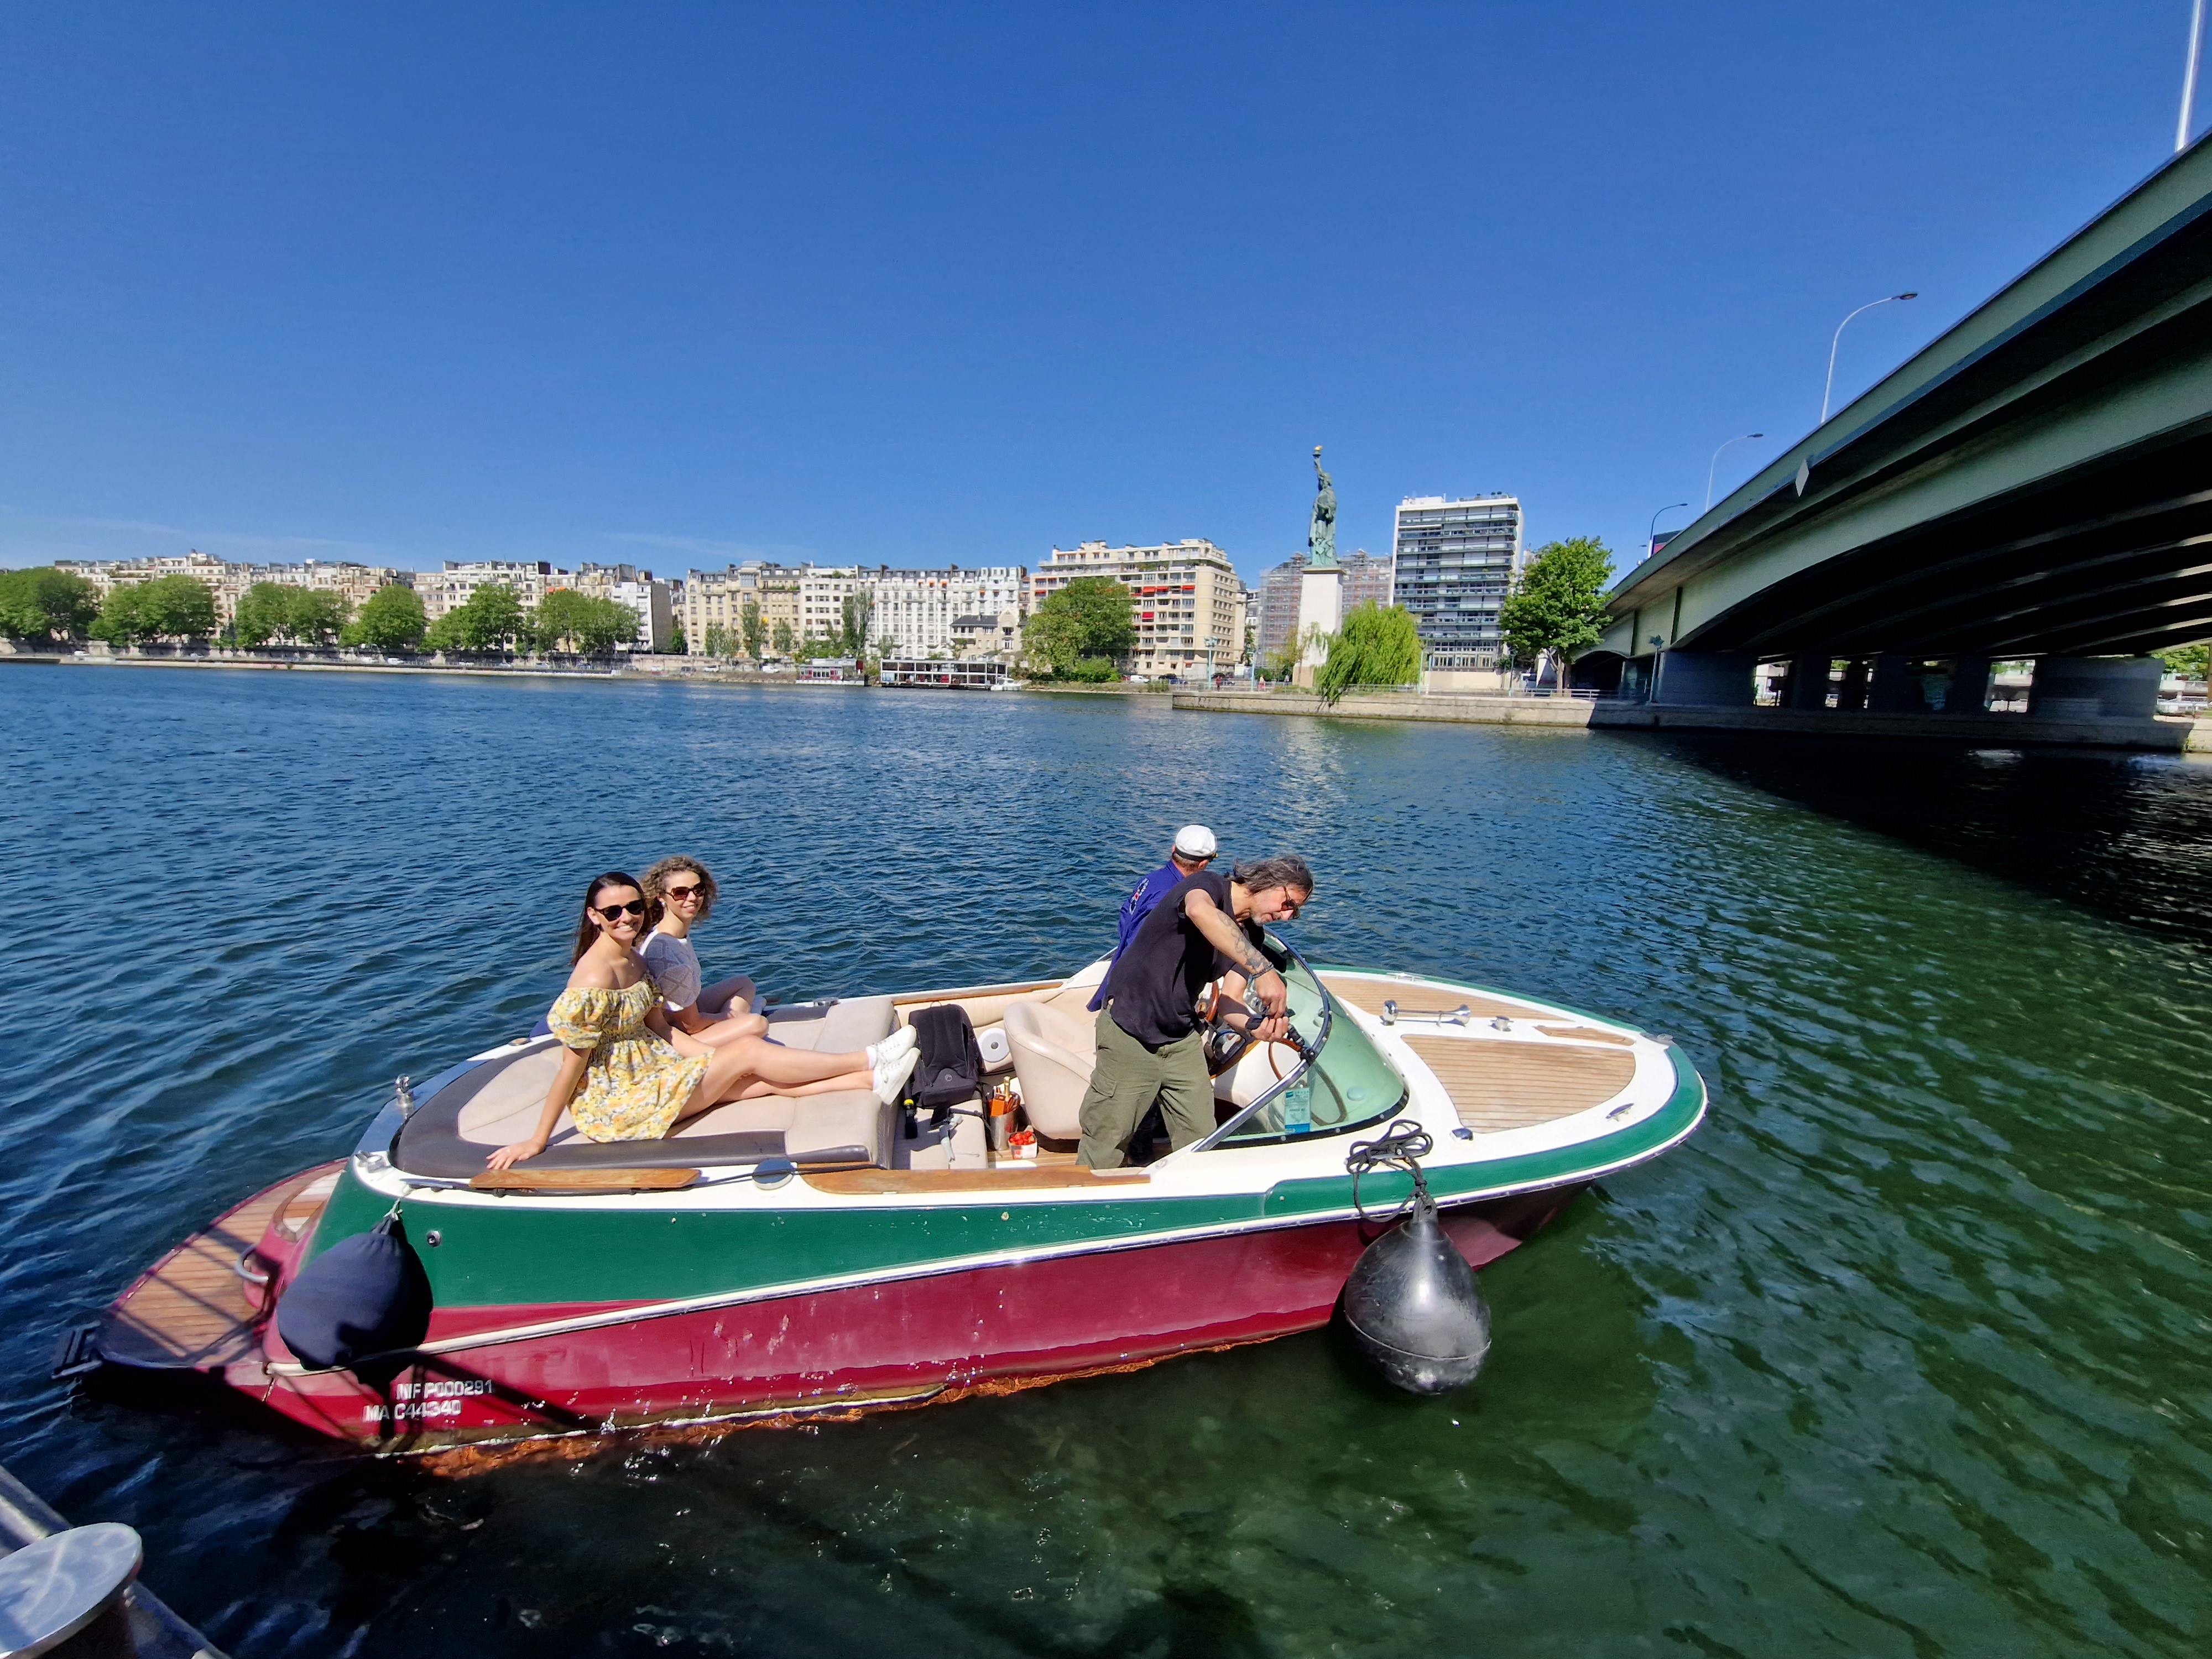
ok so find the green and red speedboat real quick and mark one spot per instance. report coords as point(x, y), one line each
point(781, 1260)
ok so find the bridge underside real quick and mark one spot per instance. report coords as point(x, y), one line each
point(2113, 560)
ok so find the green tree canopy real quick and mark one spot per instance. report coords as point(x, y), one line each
point(716, 641)
point(1089, 617)
point(391, 620)
point(44, 604)
point(590, 624)
point(1373, 647)
point(492, 619)
point(852, 637)
point(677, 645)
point(753, 629)
point(782, 638)
point(175, 607)
point(1559, 604)
point(2187, 660)
point(306, 616)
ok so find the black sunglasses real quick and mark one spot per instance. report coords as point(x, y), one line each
point(617, 912)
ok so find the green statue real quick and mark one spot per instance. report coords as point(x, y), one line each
point(1321, 537)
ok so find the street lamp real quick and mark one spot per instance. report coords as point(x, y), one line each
point(1716, 461)
point(1652, 538)
point(1209, 662)
point(2189, 79)
point(1829, 390)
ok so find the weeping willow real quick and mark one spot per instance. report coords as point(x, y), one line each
point(1373, 647)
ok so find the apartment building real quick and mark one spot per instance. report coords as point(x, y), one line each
point(1453, 562)
point(451, 588)
point(635, 589)
point(952, 613)
point(1367, 577)
point(229, 581)
point(717, 599)
point(1182, 595)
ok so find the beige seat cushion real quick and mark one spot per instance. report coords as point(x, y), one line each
point(845, 1025)
point(1054, 1050)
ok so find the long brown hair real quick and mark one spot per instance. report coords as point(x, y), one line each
point(587, 931)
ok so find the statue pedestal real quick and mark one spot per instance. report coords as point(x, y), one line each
point(1321, 606)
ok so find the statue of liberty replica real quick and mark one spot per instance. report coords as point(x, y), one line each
point(1321, 535)
point(1321, 586)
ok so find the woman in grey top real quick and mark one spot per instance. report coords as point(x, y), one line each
point(682, 895)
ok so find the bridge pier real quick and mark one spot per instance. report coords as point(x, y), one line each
point(1706, 679)
point(2095, 688)
point(1808, 685)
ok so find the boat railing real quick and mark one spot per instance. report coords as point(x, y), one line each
point(1265, 1096)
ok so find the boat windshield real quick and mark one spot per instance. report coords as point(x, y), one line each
point(1348, 1085)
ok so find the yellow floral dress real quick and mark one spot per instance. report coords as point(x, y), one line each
point(634, 1084)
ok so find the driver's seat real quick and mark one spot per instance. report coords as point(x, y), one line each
point(1052, 1054)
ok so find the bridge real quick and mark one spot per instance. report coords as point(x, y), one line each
point(2037, 484)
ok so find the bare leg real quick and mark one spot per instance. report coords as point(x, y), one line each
point(725, 1032)
point(727, 996)
point(859, 1079)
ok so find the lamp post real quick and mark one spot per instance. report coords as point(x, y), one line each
point(2189, 79)
point(1209, 662)
point(1651, 538)
point(1716, 461)
point(1829, 391)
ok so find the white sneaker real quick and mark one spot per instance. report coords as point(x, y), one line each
point(892, 1046)
point(890, 1076)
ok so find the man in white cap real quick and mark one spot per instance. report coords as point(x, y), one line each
point(1194, 849)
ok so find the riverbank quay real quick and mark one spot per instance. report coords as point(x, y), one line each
point(153, 1631)
point(2160, 734)
point(648, 669)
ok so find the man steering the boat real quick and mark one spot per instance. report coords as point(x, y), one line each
point(1150, 1044)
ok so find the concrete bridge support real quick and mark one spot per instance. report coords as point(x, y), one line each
point(2094, 687)
point(1706, 679)
point(1808, 686)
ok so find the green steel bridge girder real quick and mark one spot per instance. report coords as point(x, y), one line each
point(2037, 482)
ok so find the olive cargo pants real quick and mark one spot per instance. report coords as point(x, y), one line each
point(1127, 1077)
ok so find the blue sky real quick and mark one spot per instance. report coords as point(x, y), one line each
point(910, 284)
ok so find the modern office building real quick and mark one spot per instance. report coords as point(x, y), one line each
point(1182, 595)
point(1366, 578)
point(1453, 562)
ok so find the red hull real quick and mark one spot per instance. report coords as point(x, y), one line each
point(897, 1343)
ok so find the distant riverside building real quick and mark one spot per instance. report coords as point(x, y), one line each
point(916, 614)
point(451, 588)
point(627, 586)
point(352, 582)
point(1182, 593)
point(920, 614)
point(1454, 560)
point(1365, 577)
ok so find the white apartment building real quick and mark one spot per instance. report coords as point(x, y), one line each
point(920, 614)
point(823, 591)
point(627, 585)
point(1182, 594)
point(450, 589)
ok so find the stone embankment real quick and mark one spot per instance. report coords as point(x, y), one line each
point(2171, 734)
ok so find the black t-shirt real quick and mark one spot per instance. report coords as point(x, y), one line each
point(1166, 963)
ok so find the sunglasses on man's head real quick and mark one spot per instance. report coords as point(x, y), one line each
point(617, 912)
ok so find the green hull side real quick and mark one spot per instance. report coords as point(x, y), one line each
point(536, 1253)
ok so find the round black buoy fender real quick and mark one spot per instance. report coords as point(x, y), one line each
point(1412, 1301)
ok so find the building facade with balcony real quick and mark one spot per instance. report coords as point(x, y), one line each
point(1182, 594)
point(1367, 577)
point(1454, 560)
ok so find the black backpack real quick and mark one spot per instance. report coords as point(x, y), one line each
point(950, 1066)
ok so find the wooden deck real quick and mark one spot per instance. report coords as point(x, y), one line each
point(195, 1310)
point(1511, 1085)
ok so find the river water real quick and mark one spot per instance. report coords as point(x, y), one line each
point(1905, 1354)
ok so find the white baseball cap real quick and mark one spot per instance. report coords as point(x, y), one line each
point(1196, 841)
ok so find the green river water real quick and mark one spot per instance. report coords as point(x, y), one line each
point(1905, 1354)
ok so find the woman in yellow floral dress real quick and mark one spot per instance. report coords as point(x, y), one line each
point(639, 1080)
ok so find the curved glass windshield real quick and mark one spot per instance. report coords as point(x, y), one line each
point(1349, 1086)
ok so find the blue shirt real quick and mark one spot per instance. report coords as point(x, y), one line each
point(1142, 898)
